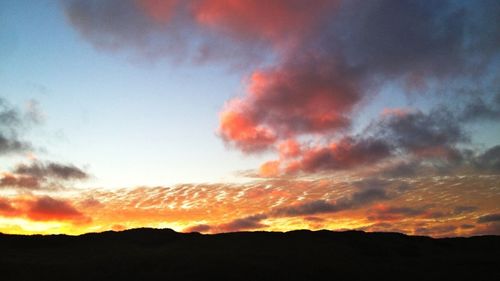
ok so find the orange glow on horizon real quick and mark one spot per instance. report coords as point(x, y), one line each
point(253, 206)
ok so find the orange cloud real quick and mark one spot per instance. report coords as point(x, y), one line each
point(43, 208)
point(47, 209)
point(237, 128)
point(274, 20)
point(269, 169)
point(289, 148)
point(7, 209)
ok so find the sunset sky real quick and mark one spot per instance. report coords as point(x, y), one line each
point(242, 115)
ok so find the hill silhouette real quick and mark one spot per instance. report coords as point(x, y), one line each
point(163, 254)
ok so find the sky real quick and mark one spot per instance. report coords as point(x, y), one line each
point(220, 115)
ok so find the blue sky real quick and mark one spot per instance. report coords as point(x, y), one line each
point(130, 122)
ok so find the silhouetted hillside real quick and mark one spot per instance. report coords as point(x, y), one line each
point(153, 254)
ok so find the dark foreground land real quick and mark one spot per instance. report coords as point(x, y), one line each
point(149, 254)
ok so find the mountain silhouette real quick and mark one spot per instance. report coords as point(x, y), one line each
point(163, 254)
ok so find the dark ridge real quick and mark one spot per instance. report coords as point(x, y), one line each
point(163, 254)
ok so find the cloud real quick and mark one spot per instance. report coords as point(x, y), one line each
point(8, 145)
point(13, 122)
point(345, 154)
point(19, 181)
point(400, 169)
point(198, 228)
point(241, 131)
point(321, 80)
point(489, 218)
point(434, 134)
point(437, 230)
point(356, 200)
point(489, 161)
point(464, 209)
point(11, 125)
point(47, 208)
point(307, 209)
point(41, 175)
point(285, 203)
point(51, 169)
point(314, 67)
point(406, 144)
point(391, 213)
point(41, 208)
point(177, 30)
point(479, 109)
point(6, 208)
point(239, 224)
point(245, 223)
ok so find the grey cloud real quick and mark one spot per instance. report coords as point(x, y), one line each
point(199, 228)
point(249, 222)
point(309, 208)
point(357, 199)
point(464, 209)
point(11, 124)
point(51, 169)
point(489, 160)
point(489, 218)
